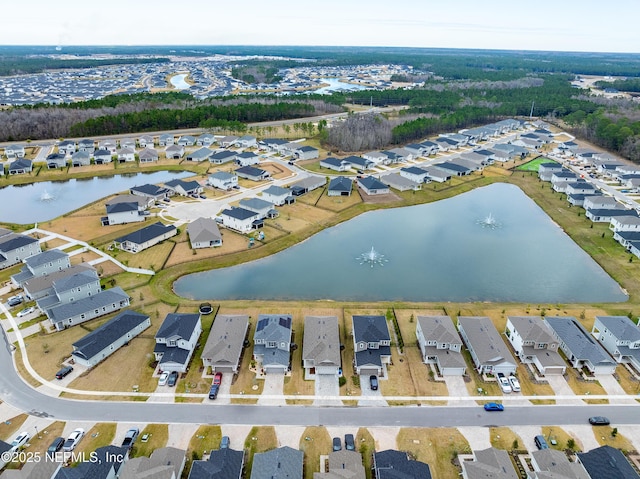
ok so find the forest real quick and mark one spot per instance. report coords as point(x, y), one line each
point(15, 65)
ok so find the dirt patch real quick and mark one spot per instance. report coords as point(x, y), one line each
point(276, 170)
point(390, 197)
point(435, 446)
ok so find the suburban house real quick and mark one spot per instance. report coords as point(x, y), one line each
point(625, 223)
point(400, 183)
point(416, 149)
point(126, 155)
point(580, 348)
point(225, 343)
point(176, 341)
point(154, 192)
point(392, 464)
point(415, 174)
point(126, 209)
point(174, 152)
point(108, 338)
point(307, 184)
point(128, 143)
point(228, 141)
point(607, 462)
point(438, 174)
point(166, 140)
point(225, 463)
point(281, 463)
point(600, 202)
point(145, 238)
point(148, 155)
point(340, 186)
point(252, 173)
point(363, 162)
point(68, 289)
point(186, 140)
point(221, 157)
point(335, 164)
point(41, 286)
point(262, 207)
point(80, 158)
point(247, 141)
point(620, 337)
point(489, 352)
point(164, 463)
point(546, 170)
point(56, 160)
point(372, 186)
point(247, 158)
point(184, 188)
point(241, 219)
point(321, 346)
point(206, 139)
point(146, 141)
point(102, 157)
point(104, 463)
point(580, 187)
point(400, 155)
point(223, 180)
point(202, 154)
point(16, 247)
point(306, 153)
point(277, 195)
point(67, 147)
point(429, 148)
point(372, 344)
point(14, 151)
point(204, 233)
point(534, 343)
point(343, 465)
point(440, 344)
point(76, 312)
point(272, 343)
point(272, 144)
point(489, 463)
point(109, 145)
point(41, 264)
point(20, 166)
point(606, 215)
point(553, 464)
point(454, 168)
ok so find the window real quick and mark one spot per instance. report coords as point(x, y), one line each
point(272, 344)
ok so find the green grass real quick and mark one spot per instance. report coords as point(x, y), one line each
point(534, 164)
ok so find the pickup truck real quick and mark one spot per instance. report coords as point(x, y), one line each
point(130, 437)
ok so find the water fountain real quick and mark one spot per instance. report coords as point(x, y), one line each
point(46, 196)
point(372, 258)
point(489, 222)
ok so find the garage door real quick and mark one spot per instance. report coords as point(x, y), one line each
point(326, 370)
point(223, 369)
point(554, 370)
point(369, 371)
point(273, 370)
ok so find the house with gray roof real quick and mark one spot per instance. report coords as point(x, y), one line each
point(321, 346)
point(247, 141)
point(600, 202)
point(227, 141)
point(41, 286)
point(371, 343)
point(153, 192)
point(102, 157)
point(164, 463)
point(16, 247)
point(206, 139)
point(343, 465)
point(80, 158)
point(56, 160)
point(546, 170)
point(335, 164)
point(204, 233)
point(391, 464)
point(625, 223)
point(263, 208)
point(126, 155)
point(71, 288)
point(438, 174)
point(306, 153)
point(372, 186)
point(224, 463)
point(247, 158)
point(223, 156)
point(453, 169)
point(41, 264)
point(400, 183)
point(607, 462)
point(128, 143)
point(202, 154)
point(272, 144)
point(14, 151)
point(166, 139)
point(340, 186)
point(620, 336)
point(67, 147)
point(176, 341)
point(146, 141)
point(109, 145)
point(76, 312)
point(307, 184)
point(272, 342)
point(440, 344)
point(126, 209)
point(277, 195)
point(415, 173)
point(241, 219)
point(534, 343)
point(489, 463)
point(174, 152)
point(104, 463)
point(184, 188)
point(225, 343)
point(145, 238)
point(148, 155)
point(488, 351)
point(30, 470)
point(281, 463)
point(186, 140)
point(108, 338)
point(552, 464)
point(252, 173)
point(20, 166)
point(363, 162)
point(606, 215)
point(580, 348)
point(223, 180)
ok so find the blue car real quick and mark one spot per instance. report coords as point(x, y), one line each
point(493, 406)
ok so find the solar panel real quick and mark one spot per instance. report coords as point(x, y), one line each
point(262, 324)
point(285, 322)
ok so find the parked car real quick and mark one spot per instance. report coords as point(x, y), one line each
point(349, 442)
point(373, 381)
point(14, 300)
point(541, 442)
point(337, 444)
point(65, 371)
point(515, 384)
point(225, 442)
point(162, 380)
point(217, 379)
point(26, 311)
point(504, 384)
point(130, 437)
point(291, 162)
point(173, 378)
point(213, 392)
point(493, 406)
point(20, 440)
point(55, 446)
point(73, 440)
point(599, 421)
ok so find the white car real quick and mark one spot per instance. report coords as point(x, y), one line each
point(515, 384)
point(162, 381)
point(504, 384)
point(73, 440)
point(20, 440)
point(26, 311)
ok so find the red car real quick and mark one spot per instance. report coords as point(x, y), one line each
point(217, 379)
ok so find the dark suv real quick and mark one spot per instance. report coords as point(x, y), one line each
point(65, 371)
point(349, 442)
point(373, 381)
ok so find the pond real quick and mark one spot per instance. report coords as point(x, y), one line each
point(37, 202)
point(491, 244)
point(334, 84)
point(179, 81)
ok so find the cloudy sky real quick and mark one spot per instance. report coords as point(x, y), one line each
point(566, 25)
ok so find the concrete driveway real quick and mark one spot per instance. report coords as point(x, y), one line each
point(583, 435)
point(225, 389)
point(613, 388)
point(458, 391)
point(272, 392)
point(477, 437)
point(326, 385)
point(527, 434)
point(369, 396)
point(561, 388)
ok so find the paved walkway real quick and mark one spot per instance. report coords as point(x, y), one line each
point(326, 390)
point(561, 387)
point(527, 435)
point(477, 437)
point(272, 392)
point(384, 437)
point(458, 391)
point(289, 436)
point(613, 388)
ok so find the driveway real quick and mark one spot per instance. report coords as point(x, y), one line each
point(289, 436)
point(237, 435)
point(327, 385)
point(583, 435)
point(613, 388)
point(272, 392)
point(477, 437)
point(180, 435)
point(370, 397)
point(458, 391)
point(561, 387)
point(527, 434)
point(225, 390)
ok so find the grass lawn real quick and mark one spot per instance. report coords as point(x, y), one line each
point(232, 242)
point(158, 436)
point(582, 387)
point(10, 428)
point(561, 437)
point(435, 446)
point(204, 440)
point(366, 445)
point(534, 164)
point(339, 203)
point(629, 383)
point(314, 442)
point(45, 437)
point(503, 438)
point(152, 258)
point(100, 435)
point(260, 439)
point(605, 437)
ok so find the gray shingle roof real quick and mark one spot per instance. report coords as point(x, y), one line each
point(239, 213)
point(102, 337)
point(485, 340)
point(121, 207)
point(277, 191)
point(281, 463)
point(146, 234)
point(76, 280)
point(578, 340)
point(255, 203)
point(321, 340)
point(164, 463)
point(222, 464)
point(250, 171)
point(273, 327)
point(392, 464)
point(107, 457)
point(224, 344)
point(203, 230)
point(48, 256)
point(607, 462)
point(179, 325)
point(340, 183)
point(557, 463)
point(12, 242)
point(490, 463)
point(151, 190)
point(621, 327)
point(370, 329)
point(104, 298)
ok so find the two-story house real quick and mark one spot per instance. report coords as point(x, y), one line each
point(534, 343)
point(72, 288)
point(176, 341)
point(620, 337)
point(372, 344)
point(41, 264)
point(16, 247)
point(440, 344)
point(272, 342)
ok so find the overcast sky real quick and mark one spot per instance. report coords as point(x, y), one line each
point(566, 25)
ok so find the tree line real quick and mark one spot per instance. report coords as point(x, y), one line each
point(17, 65)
